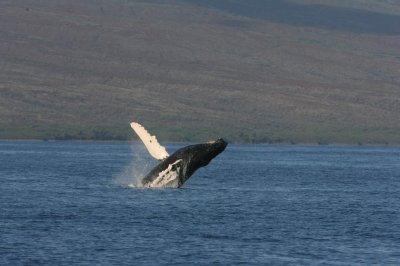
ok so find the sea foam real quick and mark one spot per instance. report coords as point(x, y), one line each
point(136, 170)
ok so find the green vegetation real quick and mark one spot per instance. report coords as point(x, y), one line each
point(124, 132)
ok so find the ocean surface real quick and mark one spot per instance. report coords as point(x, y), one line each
point(70, 203)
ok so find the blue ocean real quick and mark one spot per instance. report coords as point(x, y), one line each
point(73, 203)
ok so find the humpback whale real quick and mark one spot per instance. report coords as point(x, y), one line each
point(174, 170)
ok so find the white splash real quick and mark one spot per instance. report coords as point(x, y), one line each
point(140, 165)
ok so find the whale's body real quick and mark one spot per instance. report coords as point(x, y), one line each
point(174, 170)
point(177, 168)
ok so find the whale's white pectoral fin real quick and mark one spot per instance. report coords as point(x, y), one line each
point(155, 149)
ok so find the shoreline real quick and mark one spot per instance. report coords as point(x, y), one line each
point(134, 141)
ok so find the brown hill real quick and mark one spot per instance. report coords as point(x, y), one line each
point(191, 70)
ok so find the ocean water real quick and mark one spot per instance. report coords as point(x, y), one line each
point(69, 203)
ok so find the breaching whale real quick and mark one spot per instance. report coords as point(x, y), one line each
point(175, 169)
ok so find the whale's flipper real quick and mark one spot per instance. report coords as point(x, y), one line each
point(155, 149)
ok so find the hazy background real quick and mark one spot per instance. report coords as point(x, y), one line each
point(251, 71)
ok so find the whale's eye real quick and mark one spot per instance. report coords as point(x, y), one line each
point(211, 141)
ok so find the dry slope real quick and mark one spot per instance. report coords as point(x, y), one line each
point(190, 71)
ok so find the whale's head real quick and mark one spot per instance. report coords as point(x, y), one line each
point(214, 147)
point(200, 155)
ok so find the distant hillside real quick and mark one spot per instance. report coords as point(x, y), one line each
point(297, 71)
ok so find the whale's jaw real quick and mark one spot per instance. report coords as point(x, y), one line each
point(174, 171)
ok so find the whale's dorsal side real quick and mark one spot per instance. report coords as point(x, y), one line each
point(155, 149)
